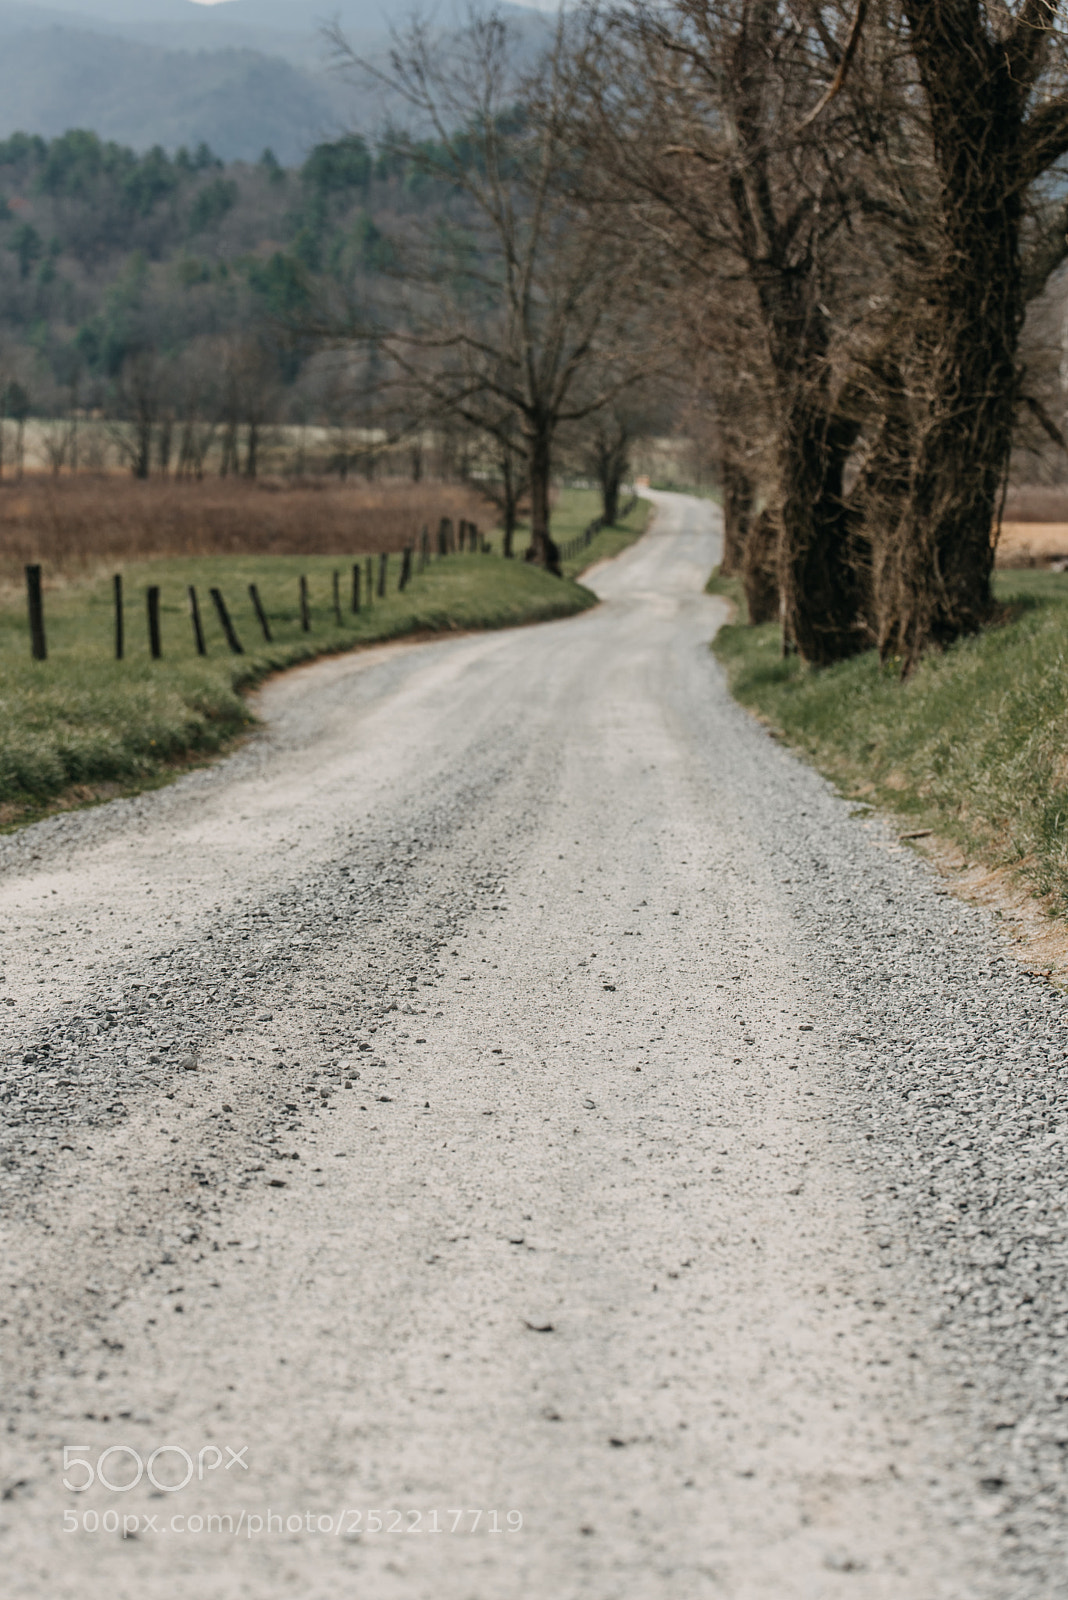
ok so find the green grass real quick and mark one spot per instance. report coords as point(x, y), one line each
point(82, 726)
point(575, 509)
point(974, 745)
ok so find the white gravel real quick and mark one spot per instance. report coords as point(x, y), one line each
point(591, 1119)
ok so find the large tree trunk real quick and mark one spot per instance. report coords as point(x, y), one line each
point(944, 546)
point(823, 590)
point(229, 462)
point(163, 446)
point(509, 500)
point(541, 550)
point(738, 495)
point(611, 459)
point(760, 569)
point(142, 460)
point(610, 496)
point(879, 501)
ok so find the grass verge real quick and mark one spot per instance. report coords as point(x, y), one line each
point(974, 746)
point(82, 726)
point(574, 510)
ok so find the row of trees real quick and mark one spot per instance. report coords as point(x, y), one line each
point(818, 226)
point(832, 216)
point(171, 302)
point(517, 313)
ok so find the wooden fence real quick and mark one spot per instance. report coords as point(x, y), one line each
point(370, 582)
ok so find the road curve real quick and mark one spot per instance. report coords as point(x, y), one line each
point(543, 1155)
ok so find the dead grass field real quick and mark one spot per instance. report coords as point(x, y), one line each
point(1032, 544)
point(1034, 528)
point(75, 526)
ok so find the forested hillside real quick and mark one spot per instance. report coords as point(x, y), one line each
point(133, 282)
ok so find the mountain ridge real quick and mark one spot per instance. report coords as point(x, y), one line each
point(240, 76)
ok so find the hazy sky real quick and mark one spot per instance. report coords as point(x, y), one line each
point(535, 5)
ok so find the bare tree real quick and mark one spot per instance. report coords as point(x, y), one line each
point(608, 454)
point(138, 400)
point(726, 124)
point(197, 405)
point(996, 97)
point(510, 484)
point(17, 405)
point(505, 302)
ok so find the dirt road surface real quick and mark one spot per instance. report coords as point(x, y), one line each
point(496, 1136)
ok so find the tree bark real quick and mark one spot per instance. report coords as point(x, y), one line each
point(943, 551)
point(822, 583)
point(541, 551)
point(228, 462)
point(142, 461)
point(610, 497)
point(610, 451)
point(760, 569)
point(824, 601)
point(510, 497)
point(738, 495)
point(822, 589)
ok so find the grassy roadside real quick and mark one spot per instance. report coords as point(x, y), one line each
point(82, 727)
point(974, 746)
point(575, 509)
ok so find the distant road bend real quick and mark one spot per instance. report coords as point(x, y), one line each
point(594, 1127)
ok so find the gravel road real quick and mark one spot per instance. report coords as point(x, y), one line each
point(512, 1088)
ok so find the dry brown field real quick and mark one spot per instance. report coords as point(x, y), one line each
point(1034, 528)
point(74, 525)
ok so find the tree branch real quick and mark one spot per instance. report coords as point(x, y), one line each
point(838, 81)
point(1044, 140)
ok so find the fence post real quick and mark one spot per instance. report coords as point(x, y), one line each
point(406, 568)
point(305, 617)
point(154, 646)
point(120, 641)
point(254, 596)
point(194, 616)
point(355, 587)
point(444, 535)
point(38, 647)
point(383, 563)
point(424, 549)
point(370, 570)
point(227, 626)
point(337, 598)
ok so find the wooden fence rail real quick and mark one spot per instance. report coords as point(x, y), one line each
point(120, 639)
point(451, 538)
point(194, 617)
point(38, 646)
point(155, 643)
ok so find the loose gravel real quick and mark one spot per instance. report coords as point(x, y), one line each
point(511, 1082)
